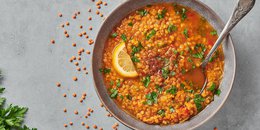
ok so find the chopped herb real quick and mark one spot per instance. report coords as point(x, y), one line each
point(200, 51)
point(190, 60)
point(105, 70)
point(111, 83)
point(218, 92)
point(114, 93)
point(162, 14)
point(189, 91)
point(172, 109)
point(124, 38)
point(198, 99)
point(135, 59)
point(142, 12)
point(172, 73)
point(213, 33)
point(171, 28)
point(151, 34)
point(183, 14)
point(182, 85)
point(199, 55)
point(175, 52)
point(118, 83)
point(114, 35)
point(165, 72)
point(185, 32)
point(212, 87)
point(130, 24)
point(159, 88)
point(183, 71)
point(129, 97)
point(211, 59)
point(151, 98)
point(172, 90)
point(121, 97)
point(187, 99)
point(161, 112)
point(136, 49)
point(146, 81)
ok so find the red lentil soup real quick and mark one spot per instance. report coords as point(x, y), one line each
point(164, 41)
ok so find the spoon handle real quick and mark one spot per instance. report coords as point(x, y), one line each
point(242, 8)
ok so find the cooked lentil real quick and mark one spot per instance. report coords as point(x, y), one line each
point(164, 41)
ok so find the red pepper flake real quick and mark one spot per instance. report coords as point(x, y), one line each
point(89, 10)
point(62, 25)
point(82, 123)
point(64, 95)
point(74, 16)
point(71, 123)
point(65, 110)
point(105, 3)
point(74, 95)
point(80, 34)
point(80, 26)
point(90, 28)
point(67, 35)
point(87, 126)
point(215, 128)
point(89, 18)
point(95, 126)
point(65, 125)
point(65, 32)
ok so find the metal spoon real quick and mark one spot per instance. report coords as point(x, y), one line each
point(242, 8)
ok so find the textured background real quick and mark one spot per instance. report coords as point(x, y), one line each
point(32, 66)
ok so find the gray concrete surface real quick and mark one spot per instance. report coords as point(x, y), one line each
point(32, 66)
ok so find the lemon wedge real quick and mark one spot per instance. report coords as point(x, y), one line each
point(122, 62)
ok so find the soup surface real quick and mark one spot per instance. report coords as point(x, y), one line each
point(146, 57)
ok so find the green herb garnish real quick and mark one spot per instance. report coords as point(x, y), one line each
point(135, 59)
point(130, 24)
point(171, 28)
point(136, 49)
point(114, 93)
point(218, 92)
point(161, 112)
point(212, 87)
point(165, 72)
point(172, 109)
point(114, 35)
point(151, 98)
point(124, 38)
point(129, 97)
point(151, 34)
point(198, 100)
point(159, 88)
point(118, 83)
point(146, 81)
point(213, 33)
point(105, 70)
point(172, 90)
point(162, 14)
point(185, 32)
point(142, 12)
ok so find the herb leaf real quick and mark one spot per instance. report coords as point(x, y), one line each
point(142, 12)
point(151, 98)
point(172, 90)
point(212, 87)
point(130, 24)
point(114, 93)
point(213, 33)
point(124, 38)
point(151, 34)
point(159, 88)
point(161, 112)
point(146, 81)
point(114, 35)
point(171, 109)
point(129, 97)
point(218, 92)
point(198, 99)
point(171, 28)
point(162, 14)
point(185, 32)
point(105, 70)
point(135, 59)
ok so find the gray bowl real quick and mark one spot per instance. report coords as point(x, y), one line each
point(121, 12)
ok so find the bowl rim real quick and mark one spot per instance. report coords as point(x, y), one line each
point(228, 38)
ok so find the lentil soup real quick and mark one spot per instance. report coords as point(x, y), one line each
point(163, 41)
